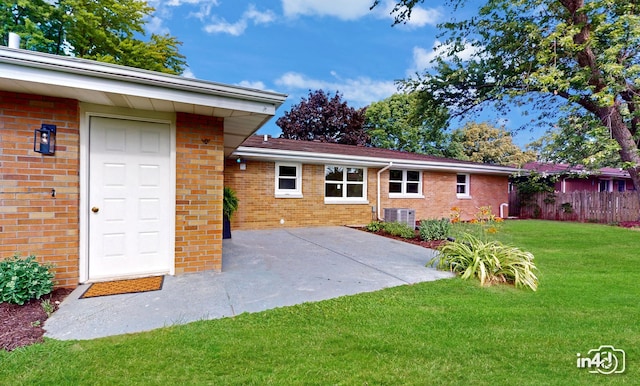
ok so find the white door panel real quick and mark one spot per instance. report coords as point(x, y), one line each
point(129, 198)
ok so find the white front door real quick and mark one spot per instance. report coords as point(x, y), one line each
point(129, 198)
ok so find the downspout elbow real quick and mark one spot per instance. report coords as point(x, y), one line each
point(502, 209)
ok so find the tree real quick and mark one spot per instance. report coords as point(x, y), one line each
point(484, 143)
point(397, 123)
point(583, 54)
point(106, 30)
point(578, 142)
point(326, 119)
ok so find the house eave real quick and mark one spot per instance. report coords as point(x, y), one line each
point(244, 110)
point(275, 155)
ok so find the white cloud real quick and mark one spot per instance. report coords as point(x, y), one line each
point(422, 57)
point(220, 25)
point(259, 85)
point(177, 3)
point(341, 9)
point(156, 25)
point(360, 91)
point(419, 16)
point(188, 73)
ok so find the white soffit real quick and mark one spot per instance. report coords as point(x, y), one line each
point(245, 110)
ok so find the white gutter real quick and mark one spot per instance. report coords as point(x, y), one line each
point(76, 67)
point(318, 158)
point(378, 200)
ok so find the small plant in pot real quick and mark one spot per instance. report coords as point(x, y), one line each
point(229, 207)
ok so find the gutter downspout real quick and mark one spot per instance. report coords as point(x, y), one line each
point(502, 209)
point(378, 202)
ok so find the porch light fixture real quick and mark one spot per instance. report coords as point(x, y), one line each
point(44, 139)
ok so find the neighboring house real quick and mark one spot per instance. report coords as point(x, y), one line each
point(283, 183)
point(578, 178)
point(135, 185)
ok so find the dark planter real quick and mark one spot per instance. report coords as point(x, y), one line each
point(226, 228)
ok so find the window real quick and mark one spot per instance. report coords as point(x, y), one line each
point(405, 183)
point(288, 180)
point(603, 186)
point(462, 186)
point(621, 185)
point(345, 184)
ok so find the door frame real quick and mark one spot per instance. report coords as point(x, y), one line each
point(86, 111)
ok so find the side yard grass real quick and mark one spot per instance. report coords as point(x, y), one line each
point(444, 332)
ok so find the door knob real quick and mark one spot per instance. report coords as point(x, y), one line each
point(95, 209)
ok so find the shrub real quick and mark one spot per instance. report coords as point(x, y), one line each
point(491, 262)
point(434, 229)
point(399, 229)
point(24, 279)
point(229, 202)
point(374, 226)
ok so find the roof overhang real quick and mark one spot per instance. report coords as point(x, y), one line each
point(276, 155)
point(244, 110)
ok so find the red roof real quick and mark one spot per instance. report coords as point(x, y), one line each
point(564, 168)
point(257, 141)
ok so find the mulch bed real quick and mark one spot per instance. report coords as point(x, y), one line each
point(415, 240)
point(22, 325)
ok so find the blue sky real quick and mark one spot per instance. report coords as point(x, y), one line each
point(297, 46)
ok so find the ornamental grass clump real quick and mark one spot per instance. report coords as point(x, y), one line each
point(490, 261)
point(24, 279)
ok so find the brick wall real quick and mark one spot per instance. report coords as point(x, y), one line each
point(31, 220)
point(199, 182)
point(259, 209)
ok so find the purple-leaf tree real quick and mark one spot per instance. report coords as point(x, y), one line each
point(324, 118)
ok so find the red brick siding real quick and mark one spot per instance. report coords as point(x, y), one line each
point(31, 221)
point(199, 182)
point(259, 209)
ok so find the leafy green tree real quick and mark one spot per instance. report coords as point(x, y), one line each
point(105, 30)
point(577, 141)
point(482, 142)
point(398, 123)
point(324, 118)
point(581, 54)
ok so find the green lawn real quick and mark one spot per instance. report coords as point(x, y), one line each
point(445, 332)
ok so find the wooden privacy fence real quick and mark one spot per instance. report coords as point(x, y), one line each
point(583, 206)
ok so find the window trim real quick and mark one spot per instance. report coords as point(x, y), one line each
point(467, 185)
point(288, 193)
point(404, 182)
point(345, 200)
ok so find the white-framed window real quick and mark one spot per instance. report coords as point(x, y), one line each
point(405, 183)
point(604, 186)
point(462, 186)
point(345, 184)
point(288, 180)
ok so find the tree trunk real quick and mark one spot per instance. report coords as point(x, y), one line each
point(611, 118)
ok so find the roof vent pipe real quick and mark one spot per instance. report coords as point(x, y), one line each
point(14, 40)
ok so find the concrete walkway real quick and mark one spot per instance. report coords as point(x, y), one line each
point(261, 270)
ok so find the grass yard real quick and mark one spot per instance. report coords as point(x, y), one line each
point(444, 332)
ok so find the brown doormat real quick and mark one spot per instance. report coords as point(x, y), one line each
point(128, 286)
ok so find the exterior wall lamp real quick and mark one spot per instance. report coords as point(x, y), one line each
point(44, 139)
